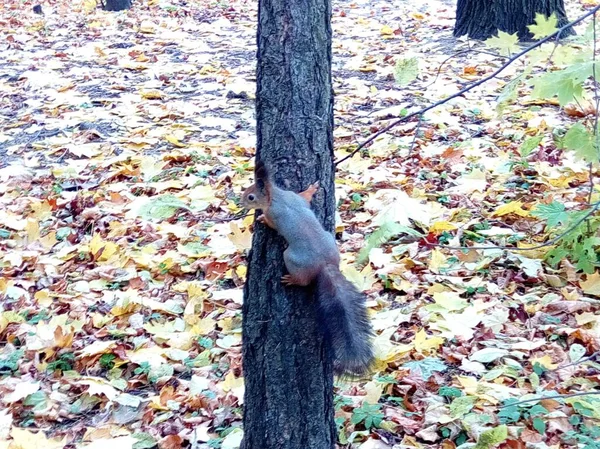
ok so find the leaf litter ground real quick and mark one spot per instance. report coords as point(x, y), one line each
point(126, 139)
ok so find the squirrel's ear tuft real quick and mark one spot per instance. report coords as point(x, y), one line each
point(261, 171)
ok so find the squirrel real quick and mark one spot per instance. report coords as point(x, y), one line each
point(312, 256)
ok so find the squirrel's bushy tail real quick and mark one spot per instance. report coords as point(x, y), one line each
point(347, 326)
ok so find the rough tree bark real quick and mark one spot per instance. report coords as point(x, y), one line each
point(288, 402)
point(481, 19)
point(117, 5)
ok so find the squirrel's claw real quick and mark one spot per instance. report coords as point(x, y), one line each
point(287, 280)
point(264, 220)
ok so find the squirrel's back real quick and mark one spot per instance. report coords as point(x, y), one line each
point(299, 226)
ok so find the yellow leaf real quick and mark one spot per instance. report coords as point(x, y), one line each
point(174, 141)
point(587, 318)
point(241, 239)
point(152, 94)
point(49, 240)
point(207, 69)
point(147, 27)
point(41, 210)
point(534, 253)
point(591, 285)
point(374, 391)
point(363, 280)
point(195, 304)
point(469, 384)
point(89, 6)
point(387, 31)
point(437, 261)
point(33, 230)
point(426, 345)
point(367, 68)
point(231, 382)
point(386, 350)
point(441, 226)
point(42, 297)
point(96, 244)
point(204, 326)
point(545, 361)
point(24, 439)
point(514, 207)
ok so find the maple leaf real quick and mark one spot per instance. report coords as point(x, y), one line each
point(506, 44)
point(406, 70)
point(554, 213)
point(544, 26)
point(591, 285)
point(582, 142)
point(492, 437)
point(426, 367)
point(426, 345)
point(24, 439)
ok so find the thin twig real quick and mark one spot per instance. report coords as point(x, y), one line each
point(513, 248)
point(470, 87)
point(556, 396)
point(580, 361)
point(468, 50)
point(238, 216)
point(412, 144)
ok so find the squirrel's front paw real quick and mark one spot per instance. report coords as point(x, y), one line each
point(262, 219)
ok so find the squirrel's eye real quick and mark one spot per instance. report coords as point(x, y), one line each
point(251, 197)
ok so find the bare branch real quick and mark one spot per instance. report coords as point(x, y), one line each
point(471, 86)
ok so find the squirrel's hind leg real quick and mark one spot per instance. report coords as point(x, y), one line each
point(302, 269)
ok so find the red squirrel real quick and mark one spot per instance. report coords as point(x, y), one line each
point(312, 256)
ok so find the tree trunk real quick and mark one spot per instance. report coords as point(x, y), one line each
point(288, 402)
point(117, 5)
point(481, 19)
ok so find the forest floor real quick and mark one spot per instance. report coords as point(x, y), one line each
point(125, 141)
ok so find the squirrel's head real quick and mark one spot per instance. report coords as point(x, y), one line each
point(258, 195)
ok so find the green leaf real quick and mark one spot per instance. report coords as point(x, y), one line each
point(487, 355)
point(554, 213)
point(10, 361)
point(580, 140)
point(576, 352)
point(544, 26)
point(530, 144)
point(461, 406)
point(506, 44)
point(161, 207)
point(492, 437)
point(450, 392)
point(370, 414)
point(406, 70)
point(509, 414)
point(37, 400)
point(144, 441)
point(426, 367)
point(539, 425)
point(555, 255)
point(566, 84)
point(538, 410)
point(385, 233)
point(508, 94)
point(163, 370)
